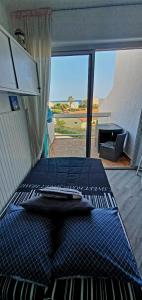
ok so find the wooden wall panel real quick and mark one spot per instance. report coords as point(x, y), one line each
point(15, 155)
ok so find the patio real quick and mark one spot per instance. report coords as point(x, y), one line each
point(76, 147)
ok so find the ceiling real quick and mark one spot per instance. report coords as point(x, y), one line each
point(63, 4)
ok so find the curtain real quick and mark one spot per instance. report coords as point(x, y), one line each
point(36, 25)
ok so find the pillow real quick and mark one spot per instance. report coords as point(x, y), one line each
point(25, 245)
point(95, 245)
point(41, 204)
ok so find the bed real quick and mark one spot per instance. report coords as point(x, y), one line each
point(78, 267)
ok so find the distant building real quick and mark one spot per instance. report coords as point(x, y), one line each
point(75, 104)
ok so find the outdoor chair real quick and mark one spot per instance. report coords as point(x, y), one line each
point(112, 150)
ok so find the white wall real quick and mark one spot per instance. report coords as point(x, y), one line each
point(5, 104)
point(5, 17)
point(15, 154)
point(140, 152)
point(88, 26)
point(125, 100)
point(51, 132)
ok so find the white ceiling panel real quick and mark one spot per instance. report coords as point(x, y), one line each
point(13, 5)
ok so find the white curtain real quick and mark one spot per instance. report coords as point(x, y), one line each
point(36, 25)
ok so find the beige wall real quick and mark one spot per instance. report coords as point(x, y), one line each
point(125, 100)
point(89, 26)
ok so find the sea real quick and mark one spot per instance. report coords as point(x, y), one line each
point(65, 101)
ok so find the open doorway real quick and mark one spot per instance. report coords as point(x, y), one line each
point(114, 104)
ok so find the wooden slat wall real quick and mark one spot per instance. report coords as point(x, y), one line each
point(15, 155)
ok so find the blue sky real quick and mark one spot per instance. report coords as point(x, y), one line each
point(69, 76)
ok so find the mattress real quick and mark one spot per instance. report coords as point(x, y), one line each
point(84, 174)
point(88, 176)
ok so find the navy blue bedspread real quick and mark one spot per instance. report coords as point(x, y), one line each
point(38, 248)
point(87, 174)
point(25, 245)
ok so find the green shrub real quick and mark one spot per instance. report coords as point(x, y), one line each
point(63, 130)
point(60, 123)
point(57, 110)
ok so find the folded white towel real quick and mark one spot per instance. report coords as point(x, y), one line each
point(61, 193)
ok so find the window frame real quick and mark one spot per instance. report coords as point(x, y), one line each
point(90, 50)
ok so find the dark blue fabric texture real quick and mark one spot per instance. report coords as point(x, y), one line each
point(39, 248)
point(95, 245)
point(25, 245)
point(70, 171)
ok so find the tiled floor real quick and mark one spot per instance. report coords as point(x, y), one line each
point(63, 147)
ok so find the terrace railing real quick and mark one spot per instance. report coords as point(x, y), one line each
point(74, 124)
point(67, 133)
point(82, 115)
